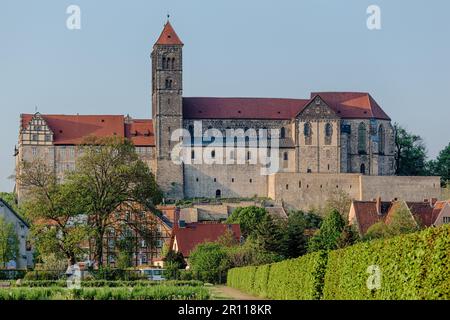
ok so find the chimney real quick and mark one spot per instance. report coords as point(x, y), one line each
point(176, 218)
point(433, 201)
point(378, 204)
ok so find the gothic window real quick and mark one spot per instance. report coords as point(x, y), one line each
point(363, 169)
point(362, 133)
point(381, 139)
point(191, 132)
point(307, 133)
point(307, 129)
point(283, 133)
point(328, 133)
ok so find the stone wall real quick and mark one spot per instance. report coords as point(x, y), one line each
point(402, 188)
point(305, 191)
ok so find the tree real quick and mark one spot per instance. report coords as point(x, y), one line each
point(410, 153)
point(441, 166)
point(9, 242)
point(269, 233)
point(109, 174)
point(53, 208)
point(349, 236)
point(173, 263)
point(248, 218)
point(209, 262)
point(400, 222)
point(11, 200)
point(294, 240)
point(251, 253)
point(327, 238)
point(339, 200)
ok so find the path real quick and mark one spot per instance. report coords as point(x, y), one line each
point(226, 293)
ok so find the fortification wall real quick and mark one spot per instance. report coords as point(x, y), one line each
point(404, 188)
point(306, 191)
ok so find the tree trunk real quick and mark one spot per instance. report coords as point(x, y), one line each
point(99, 248)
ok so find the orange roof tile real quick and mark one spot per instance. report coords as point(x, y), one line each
point(72, 129)
point(194, 234)
point(168, 36)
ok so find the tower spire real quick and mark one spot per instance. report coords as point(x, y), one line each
point(168, 35)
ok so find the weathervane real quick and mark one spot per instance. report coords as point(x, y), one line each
point(168, 16)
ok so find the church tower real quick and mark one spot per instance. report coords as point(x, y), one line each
point(167, 108)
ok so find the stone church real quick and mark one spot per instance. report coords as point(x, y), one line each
point(329, 141)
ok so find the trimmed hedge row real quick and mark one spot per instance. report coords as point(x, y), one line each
point(413, 266)
point(106, 283)
point(137, 293)
point(295, 279)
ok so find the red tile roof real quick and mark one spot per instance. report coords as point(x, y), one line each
point(197, 233)
point(140, 132)
point(72, 129)
point(242, 108)
point(345, 104)
point(367, 215)
point(357, 105)
point(168, 36)
point(424, 213)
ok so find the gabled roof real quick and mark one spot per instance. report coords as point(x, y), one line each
point(14, 212)
point(193, 234)
point(367, 215)
point(168, 36)
point(241, 108)
point(352, 105)
point(424, 213)
point(72, 129)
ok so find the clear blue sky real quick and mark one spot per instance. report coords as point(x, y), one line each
point(232, 48)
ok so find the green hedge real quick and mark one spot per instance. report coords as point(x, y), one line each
point(414, 266)
point(106, 283)
point(295, 279)
point(137, 293)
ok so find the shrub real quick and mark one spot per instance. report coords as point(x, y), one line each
point(300, 278)
point(110, 284)
point(413, 266)
point(44, 275)
point(209, 262)
point(122, 293)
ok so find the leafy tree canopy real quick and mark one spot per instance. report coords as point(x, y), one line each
point(248, 218)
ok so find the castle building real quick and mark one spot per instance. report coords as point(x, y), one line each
point(329, 141)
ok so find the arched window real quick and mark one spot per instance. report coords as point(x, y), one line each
point(283, 133)
point(307, 133)
point(164, 62)
point(218, 194)
point(307, 129)
point(285, 156)
point(381, 139)
point(362, 169)
point(328, 130)
point(328, 133)
point(362, 133)
point(213, 154)
point(168, 83)
point(173, 63)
